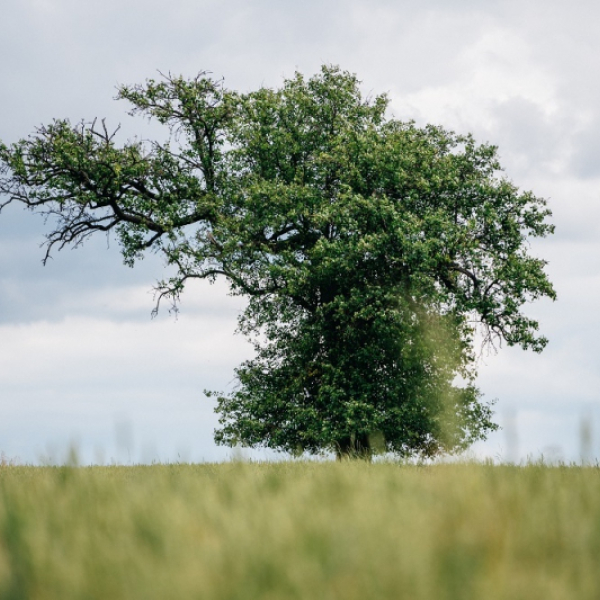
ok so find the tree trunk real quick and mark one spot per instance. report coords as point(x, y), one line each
point(354, 446)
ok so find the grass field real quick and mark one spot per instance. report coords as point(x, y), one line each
point(300, 530)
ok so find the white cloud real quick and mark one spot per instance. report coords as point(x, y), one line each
point(74, 379)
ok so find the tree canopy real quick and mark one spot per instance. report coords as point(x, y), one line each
point(370, 249)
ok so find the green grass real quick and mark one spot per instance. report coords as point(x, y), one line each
point(300, 530)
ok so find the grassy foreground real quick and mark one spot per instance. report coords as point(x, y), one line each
point(300, 530)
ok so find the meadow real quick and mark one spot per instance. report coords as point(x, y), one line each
point(300, 530)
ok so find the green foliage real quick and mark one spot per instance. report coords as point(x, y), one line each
point(304, 386)
point(370, 250)
point(300, 530)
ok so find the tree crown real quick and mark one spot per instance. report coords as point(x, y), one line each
point(369, 248)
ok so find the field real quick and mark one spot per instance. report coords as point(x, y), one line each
point(300, 530)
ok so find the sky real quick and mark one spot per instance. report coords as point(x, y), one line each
point(83, 365)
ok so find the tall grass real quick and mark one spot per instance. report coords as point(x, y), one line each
point(300, 530)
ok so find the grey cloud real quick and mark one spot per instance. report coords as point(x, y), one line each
point(30, 291)
point(563, 40)
point(585, 160)
point(526, 136)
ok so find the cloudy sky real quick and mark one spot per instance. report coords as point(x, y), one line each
point(81, 362)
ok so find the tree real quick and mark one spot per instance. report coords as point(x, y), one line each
point(369, 249)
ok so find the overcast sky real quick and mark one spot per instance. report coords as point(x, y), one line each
point(80, 359)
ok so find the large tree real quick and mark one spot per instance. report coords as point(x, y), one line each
point(370, 250)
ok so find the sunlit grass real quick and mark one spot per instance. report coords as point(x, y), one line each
point(300, 530)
